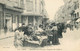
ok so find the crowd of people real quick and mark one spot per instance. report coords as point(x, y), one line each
point(53, 31)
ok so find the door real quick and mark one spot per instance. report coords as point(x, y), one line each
point(30, 20)
point(8, 24)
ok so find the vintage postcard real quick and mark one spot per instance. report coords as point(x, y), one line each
point(39, 25)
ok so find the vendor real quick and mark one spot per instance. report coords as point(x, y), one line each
point(40, 29)
point(28, 30)
point(55, 39)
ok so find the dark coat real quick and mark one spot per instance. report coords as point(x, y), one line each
point(55, 39)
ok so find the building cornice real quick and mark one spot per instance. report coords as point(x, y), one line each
point(31, 14)
point(13, 8)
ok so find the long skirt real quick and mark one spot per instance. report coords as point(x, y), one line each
point(55, 39)
point(60, 33)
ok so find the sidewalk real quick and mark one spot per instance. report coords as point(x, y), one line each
point(6, 35)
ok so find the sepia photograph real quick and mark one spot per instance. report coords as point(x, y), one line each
point(39, 25)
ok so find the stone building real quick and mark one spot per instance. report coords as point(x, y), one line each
point(15, 12)
point(10, 14)
point(67, 11)
point(34, 12)
point(77, 9)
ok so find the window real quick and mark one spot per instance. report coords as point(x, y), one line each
point(14, 19)
point(77, 14)
point(78, 5)
point(30, 19)
point(21, 3)
point(29, 5)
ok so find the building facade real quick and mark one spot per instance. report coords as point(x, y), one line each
point(33, 12)
point(77, 9)
point(10, 14)
point(67, 11)
point(77, 14)
point(15, 12)
point(1, 17)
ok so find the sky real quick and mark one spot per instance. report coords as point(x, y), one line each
point(52, 7)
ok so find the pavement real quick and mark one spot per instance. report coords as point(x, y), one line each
point(6, 35)
point(71, 40)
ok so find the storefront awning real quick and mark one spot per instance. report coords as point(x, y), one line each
point(68, 21)
point(77, 10)
point(78, 20)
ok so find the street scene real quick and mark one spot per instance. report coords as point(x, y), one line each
point(70, 44)
point(37, 25)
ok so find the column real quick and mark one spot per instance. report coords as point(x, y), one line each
point(34, 21)
point(20, 22)
point(11, 23)
point(38, 22)
point(4, 18)
point(0, 23)
point(27, 20)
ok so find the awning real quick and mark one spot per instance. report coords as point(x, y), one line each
point(78, 20)
point(68, 21)
point(77, 10)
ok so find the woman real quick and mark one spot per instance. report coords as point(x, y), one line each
point(55, 40)
point(18, 38)
point(49, 33)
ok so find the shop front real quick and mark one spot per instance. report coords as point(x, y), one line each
point(8, 22)
point(12, 18)
point(30, 19)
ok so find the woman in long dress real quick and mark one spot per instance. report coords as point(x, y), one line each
point(55, 40)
